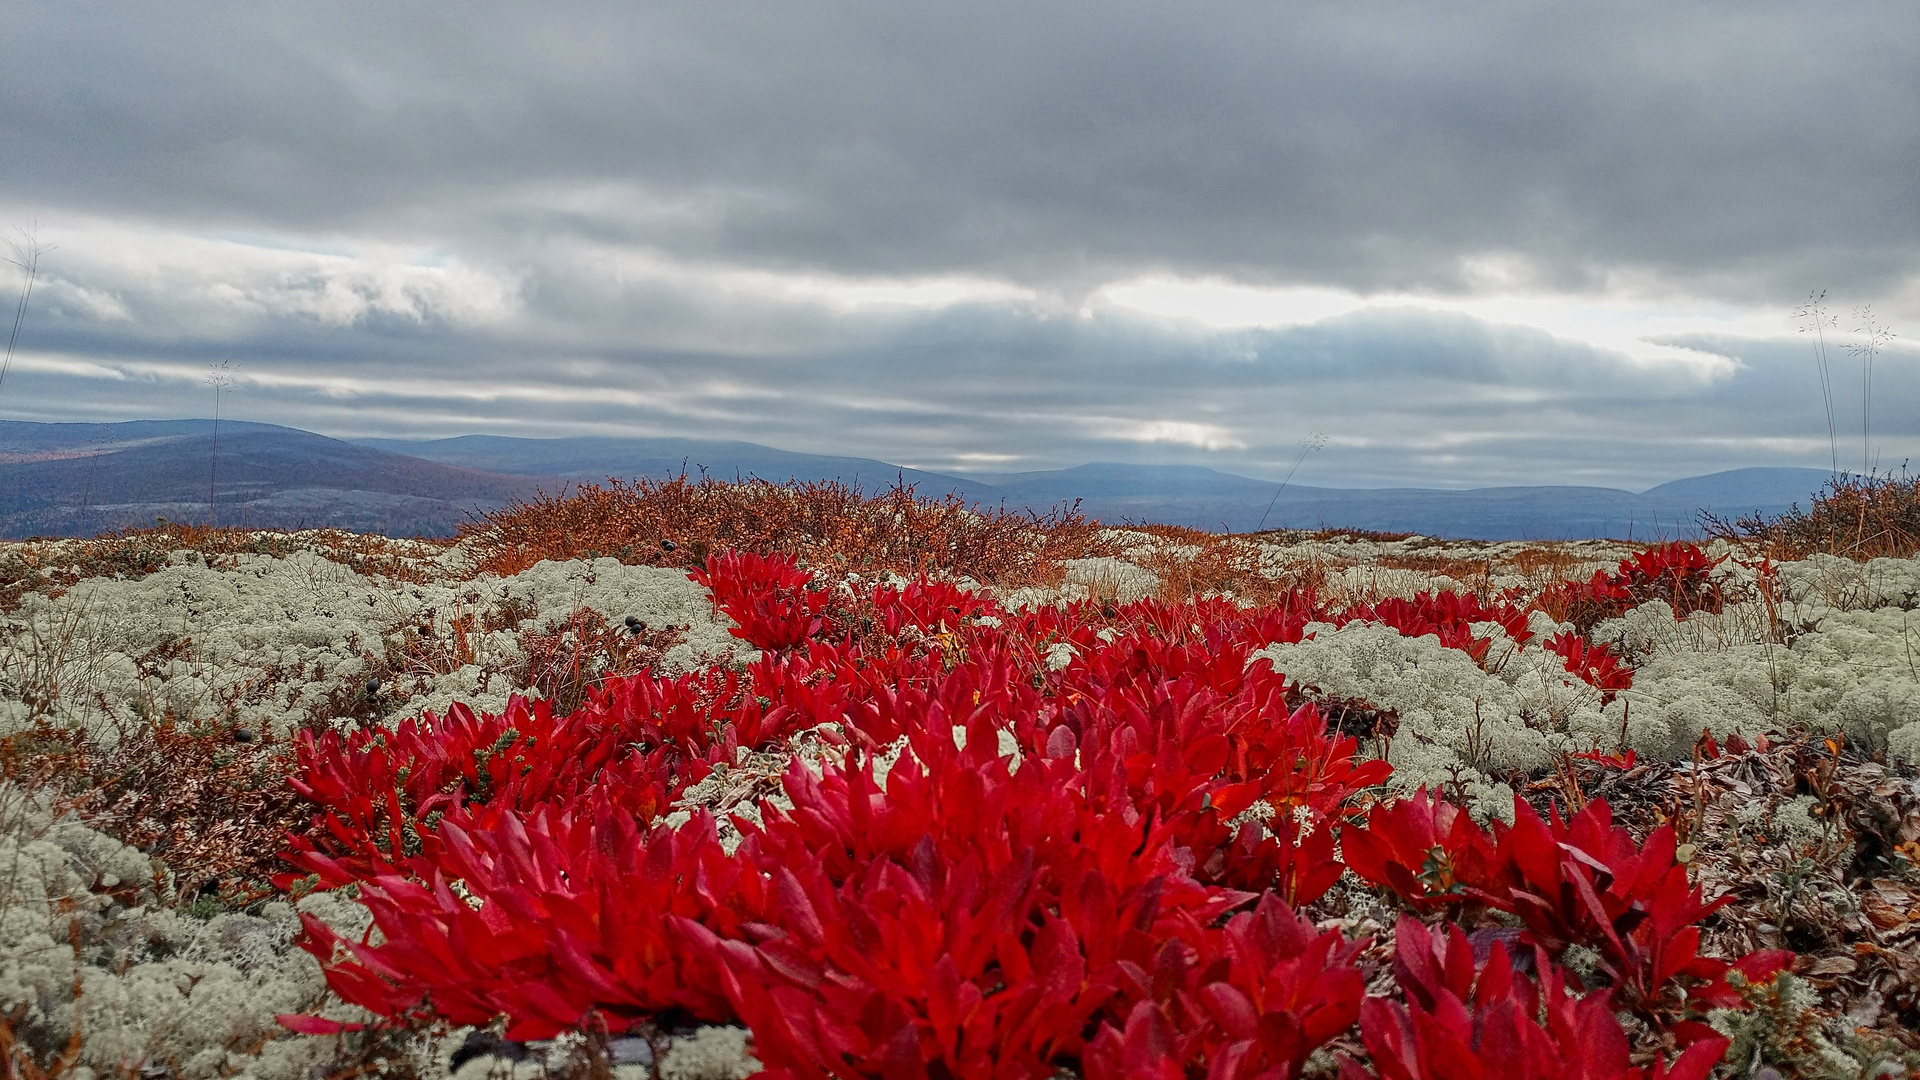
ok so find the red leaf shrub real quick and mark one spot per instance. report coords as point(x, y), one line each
point(381, 792)
point(1446, 615)
point(1596, 665)
point(1486, 1022)
point(769, 596)
point(1678, 573)
point(1271, 991)
point(543, 917)
point(1427, 850)
point(1054, 873)
point(1582, 882)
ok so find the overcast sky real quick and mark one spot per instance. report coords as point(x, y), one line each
point(1469, 244)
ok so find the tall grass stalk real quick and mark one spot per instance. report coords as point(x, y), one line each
point(221, 379)
point(26, 255)
point(1308, 445)
point(1814, 318)
point(1870, 336)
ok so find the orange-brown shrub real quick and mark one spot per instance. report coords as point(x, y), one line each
point(678, 522)
point(1856, 517)
point(1220, 564)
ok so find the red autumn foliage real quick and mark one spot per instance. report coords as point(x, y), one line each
point(984, 938)
point(1273, 991)
point(1596, 665)
point(1448, 616)
point(1466, 1021)
point(1424, 848)
point(1082, 900)
point(768, 596)
point(572, 912)
point(1583, 882)
point(1678, 573)
point(381, 792)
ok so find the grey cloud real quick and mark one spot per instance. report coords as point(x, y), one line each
point(1744, 148)
point(1406, 396)
point(547, 219)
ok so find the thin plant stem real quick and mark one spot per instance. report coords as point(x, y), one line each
point(220, 379)
point(1814, 318)
point(1312, 442)
point(26, 255)
point(1870, 336)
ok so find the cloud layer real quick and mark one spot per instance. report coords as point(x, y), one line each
point(1519, 244)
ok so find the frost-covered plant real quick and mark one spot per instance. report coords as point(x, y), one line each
point(1850, 663)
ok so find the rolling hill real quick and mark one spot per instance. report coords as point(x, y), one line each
point(80, 479)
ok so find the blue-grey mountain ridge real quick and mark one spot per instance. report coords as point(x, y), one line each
point(82, 479)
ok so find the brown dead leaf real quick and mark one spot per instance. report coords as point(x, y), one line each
point(1884, 915)
point(1833, 965)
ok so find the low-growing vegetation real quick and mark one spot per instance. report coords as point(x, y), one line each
point(694, 779)
point(1855, 517)
point(679, 522)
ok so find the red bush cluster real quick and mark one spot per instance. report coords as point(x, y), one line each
point(1678, 573)
point(1062, 866)
point(1466, 1020)
point(1583, 882)
point(1448, 616)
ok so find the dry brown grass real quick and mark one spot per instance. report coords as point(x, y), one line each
point(1856, 517)
point(1193, 563)
point(1475, 575)
point(1547, 564)
point(678, 522)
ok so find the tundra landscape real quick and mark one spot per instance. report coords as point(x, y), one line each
point(851, 540)
point(693, 779)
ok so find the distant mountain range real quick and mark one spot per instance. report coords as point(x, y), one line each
point(594, 460)
point(1207, 499)
point(80, 479)
point(83, 479)
point(1175, 494)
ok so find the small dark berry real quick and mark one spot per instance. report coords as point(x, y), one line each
point(635, 626)
point(373, 687)
point(666, 545)
point(242, 735)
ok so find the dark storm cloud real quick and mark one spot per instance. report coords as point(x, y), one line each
point(1746, 147)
